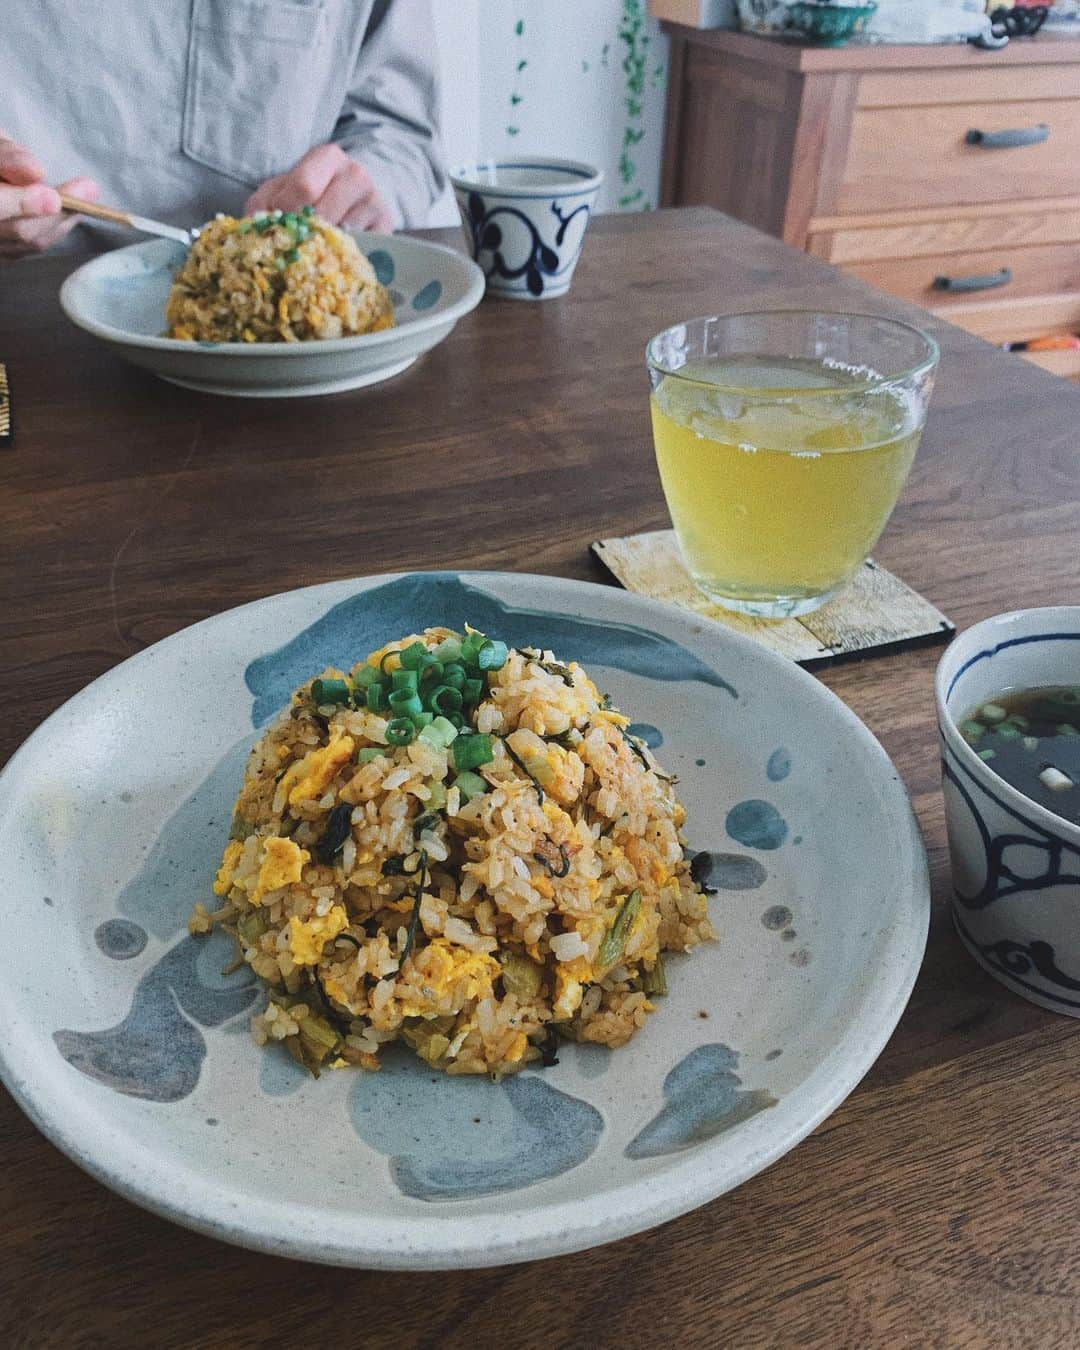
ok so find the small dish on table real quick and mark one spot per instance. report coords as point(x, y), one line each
point(1015, 859)
point(120, 297)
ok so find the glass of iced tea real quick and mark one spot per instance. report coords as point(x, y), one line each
point(783, 440)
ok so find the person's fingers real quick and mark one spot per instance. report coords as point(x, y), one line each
point(17, 164)
point(370, 213)
point(36, 200)
point(302, 185)
point(261, 197)
point(33, 234)
point(85, 188)
point(348, 187)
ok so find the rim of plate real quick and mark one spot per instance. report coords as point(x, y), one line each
point(388, 337)
point(429, 1242)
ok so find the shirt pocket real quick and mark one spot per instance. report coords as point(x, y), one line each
point(256, 74)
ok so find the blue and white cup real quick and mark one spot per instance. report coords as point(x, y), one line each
point(525, 220)
point(1015, 865)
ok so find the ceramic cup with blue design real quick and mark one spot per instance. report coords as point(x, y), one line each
point(525, 220)
point(1015, 865)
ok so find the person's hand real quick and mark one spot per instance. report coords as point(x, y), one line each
point(30, 214)
point(341, 191)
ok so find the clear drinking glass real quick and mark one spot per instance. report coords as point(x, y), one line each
point(783, 440)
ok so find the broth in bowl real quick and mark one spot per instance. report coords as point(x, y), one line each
point(1031, 739)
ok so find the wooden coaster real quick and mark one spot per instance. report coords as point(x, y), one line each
point(6, 428)
point(876, 612)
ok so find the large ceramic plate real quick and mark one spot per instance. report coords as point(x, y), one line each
point(120, 298)
point(126, 1046)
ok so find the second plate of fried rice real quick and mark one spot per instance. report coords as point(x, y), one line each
point(555, 912)
point(348, 310)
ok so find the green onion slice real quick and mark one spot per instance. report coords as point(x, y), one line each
point(400, 731)
point(330, 691)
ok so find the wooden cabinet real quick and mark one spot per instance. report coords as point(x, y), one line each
point(945, 175)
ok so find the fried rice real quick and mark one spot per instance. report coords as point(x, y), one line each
point(275, 277)
point(476, 872)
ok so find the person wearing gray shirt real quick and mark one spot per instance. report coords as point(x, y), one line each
point(179, 109)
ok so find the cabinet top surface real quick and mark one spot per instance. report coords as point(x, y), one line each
point(1043, 49)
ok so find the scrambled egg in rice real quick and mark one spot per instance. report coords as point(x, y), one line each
point(461, 847)
point(279, 276)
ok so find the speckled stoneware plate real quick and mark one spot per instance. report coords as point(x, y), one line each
point(120, 298)
point(126, 1046)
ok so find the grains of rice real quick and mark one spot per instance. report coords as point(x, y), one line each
point(253, 280)
point(473, 935)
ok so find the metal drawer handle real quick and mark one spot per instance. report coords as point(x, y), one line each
point(1004, 140)
point(987, 282)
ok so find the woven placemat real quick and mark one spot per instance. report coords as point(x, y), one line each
point(876, 612)
point(7, 430)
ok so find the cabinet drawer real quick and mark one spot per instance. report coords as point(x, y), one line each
point(945, 231)
point(1030, 271)
point(1058, 363)
point(1001, 321)
point(913, 157)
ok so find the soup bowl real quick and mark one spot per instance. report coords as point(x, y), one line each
point(1015, 864)
point(525, 221)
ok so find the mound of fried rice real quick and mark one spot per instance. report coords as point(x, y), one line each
point(477, 931)
point(275, 277)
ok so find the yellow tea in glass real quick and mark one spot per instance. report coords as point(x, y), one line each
point(783, 440)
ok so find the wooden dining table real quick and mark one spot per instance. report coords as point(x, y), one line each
point(937, 1205)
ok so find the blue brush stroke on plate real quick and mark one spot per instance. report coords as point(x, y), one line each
point(383, 264)
point(120, 939)
point(456, 1138)
point(347, 632)
point(645, 731)
point(427, 295)
point(779, 765)
point(185, 856)
point(757, 824)
point(157, 1051)
point(703, 1097)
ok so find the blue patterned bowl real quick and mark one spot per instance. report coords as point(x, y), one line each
point(120, 297)
point(1015, 865)
point(525, 221)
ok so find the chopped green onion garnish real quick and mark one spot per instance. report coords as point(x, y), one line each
point(411, 656)
point(405, 679)
point(422, 720)
point(308, 210)
point(449, 649)
point(440, 732)
point(405, 703)
point(492, 656)
point(365, 675)
point(469, 785)
point(400, 731)
point(472, 751)
point(376, 698)
point(293, 255)
point(443, 699)
point(279, 263)
point(456, 721)
point(612, 946)
point(454, 675)
point(330, 691)
point(471, 646)
point(472, 691)
point(368, 753)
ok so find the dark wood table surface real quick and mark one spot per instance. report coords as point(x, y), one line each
point(938, 1205)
